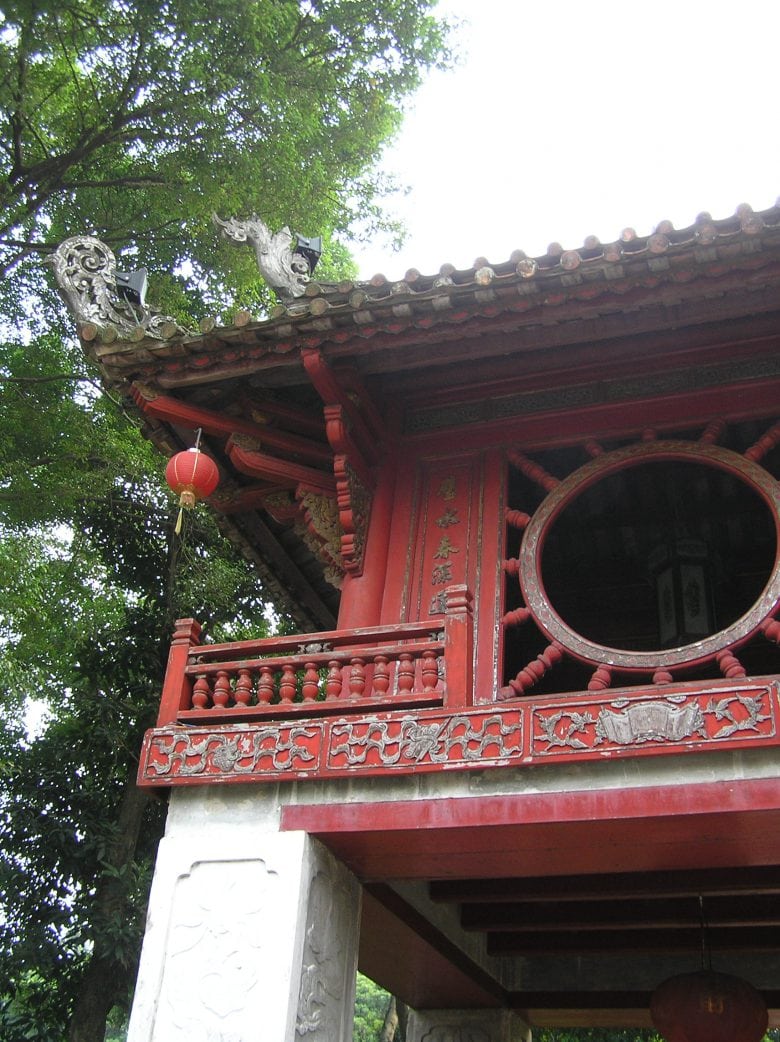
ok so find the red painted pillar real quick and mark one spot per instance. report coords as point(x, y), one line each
point(459, 647)
point(177, 688)
point(361, 595)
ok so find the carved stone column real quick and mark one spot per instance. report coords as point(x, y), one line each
point(469, 1025)
point(249, 939)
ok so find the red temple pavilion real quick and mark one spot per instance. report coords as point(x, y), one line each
point(520, 763)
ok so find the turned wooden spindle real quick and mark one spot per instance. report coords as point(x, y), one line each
point(430, 671)
point(243, 688)
point(533, 471)
point(593, 448)
point(222, 690)
point(729, 665)
point(311, 682)
point(334, 682)
point(357, 677)
point(405, 673)
point(535, 670)
point(662, 676)
point(516, 617)
point(713, 431)
point(601, 679)
point(771, 630)
point(287, 684)
point(381, 675)
point(265, 685)
point(201, 694)
point(511, 566)
point(517, 518)
point(764, 444)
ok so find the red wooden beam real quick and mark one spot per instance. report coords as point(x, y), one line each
point(258, 464)
point(719, 797)
point(174, 411)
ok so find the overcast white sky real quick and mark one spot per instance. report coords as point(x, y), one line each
point(578, 117)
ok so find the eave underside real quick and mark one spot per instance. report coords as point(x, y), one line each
point(570, 907)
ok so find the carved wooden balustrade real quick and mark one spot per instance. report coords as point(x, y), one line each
point(426, 663)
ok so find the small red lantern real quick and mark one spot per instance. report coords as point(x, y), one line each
point(708, 1007)
point(192, 475)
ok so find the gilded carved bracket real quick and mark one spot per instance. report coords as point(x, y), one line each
point(314, 517)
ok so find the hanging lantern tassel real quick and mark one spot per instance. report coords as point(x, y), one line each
point(192, 475)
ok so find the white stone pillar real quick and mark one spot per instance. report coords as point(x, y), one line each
point(466, 1025)
point(250, 938)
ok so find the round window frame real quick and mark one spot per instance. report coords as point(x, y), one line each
point(759, 480)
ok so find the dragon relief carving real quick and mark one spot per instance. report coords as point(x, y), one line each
point(85, 270)
point(412, 742)
point(188, 755)
point(286, 270)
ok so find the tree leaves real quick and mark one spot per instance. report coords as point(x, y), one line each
point(135, 121)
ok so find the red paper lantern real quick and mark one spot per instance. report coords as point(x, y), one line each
point(192, 475)
point(708, 1007)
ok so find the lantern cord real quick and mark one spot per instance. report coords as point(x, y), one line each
point(198, 434)
point(706, 953)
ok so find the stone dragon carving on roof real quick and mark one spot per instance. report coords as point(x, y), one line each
point(285, 270)
point(85, 270)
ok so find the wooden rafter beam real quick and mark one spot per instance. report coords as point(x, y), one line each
point(172, 410)
point(661, 913)
point(247, 457)
point(718, 881)
point(749, 939)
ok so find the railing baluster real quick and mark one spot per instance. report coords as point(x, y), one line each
point(404, 661)
point(381, 674)
point(265, 685)
point(357, 677)
point(222, 690)
point(334, 682)
point(311, 683)
point(405, 673)
point(201, 693)
point(287, 683)
point(430, 671)
point(243, 688)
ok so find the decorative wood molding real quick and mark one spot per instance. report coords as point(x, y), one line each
point(354, 505)
point(247, 456)
point(314, 516)
point(696, 718)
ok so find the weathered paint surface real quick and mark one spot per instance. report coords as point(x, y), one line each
point(631, 723)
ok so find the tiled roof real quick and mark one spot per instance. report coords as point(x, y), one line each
point(342, 312)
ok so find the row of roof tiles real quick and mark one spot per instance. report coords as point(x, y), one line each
point(327, 307)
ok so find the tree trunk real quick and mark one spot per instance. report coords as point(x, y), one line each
point(105, 979)
point(390, 1026)
point(403, 1019)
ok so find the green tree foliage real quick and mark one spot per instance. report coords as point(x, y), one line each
point(135, 121)
point(371, 1003)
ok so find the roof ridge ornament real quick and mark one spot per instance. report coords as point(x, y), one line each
point(286, 268)
point(95, 292)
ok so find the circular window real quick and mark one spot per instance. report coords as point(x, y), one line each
point(632, 560)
